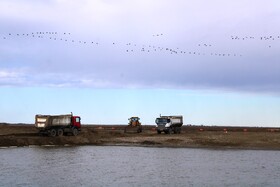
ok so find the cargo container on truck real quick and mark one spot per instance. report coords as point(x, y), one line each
point(58, 125)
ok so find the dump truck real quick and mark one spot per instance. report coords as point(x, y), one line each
point(58, 125)
point(169, 124)
point(134, 125)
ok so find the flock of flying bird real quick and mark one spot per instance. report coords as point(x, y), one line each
point(131, 47)
point(260, 38)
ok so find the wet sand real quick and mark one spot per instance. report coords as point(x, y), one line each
point(190, 137)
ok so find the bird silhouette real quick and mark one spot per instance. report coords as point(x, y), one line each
point(150, 48)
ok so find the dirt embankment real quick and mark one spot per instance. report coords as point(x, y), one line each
point(191, 136)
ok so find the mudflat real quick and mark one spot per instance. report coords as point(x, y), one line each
point(190, 137)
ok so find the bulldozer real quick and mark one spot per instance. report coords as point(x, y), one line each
point(134, 125)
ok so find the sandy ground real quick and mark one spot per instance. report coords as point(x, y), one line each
point(191, 136)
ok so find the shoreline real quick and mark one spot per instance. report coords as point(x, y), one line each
point(218, 148)
point(217, 138)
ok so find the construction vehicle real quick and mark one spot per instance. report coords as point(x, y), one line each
point(169, 124)
point(134, 125)
point(58, 125)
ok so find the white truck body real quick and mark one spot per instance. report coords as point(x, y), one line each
point(169, 124)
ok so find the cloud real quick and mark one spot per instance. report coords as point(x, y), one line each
point(141, 44)
point(12, 77)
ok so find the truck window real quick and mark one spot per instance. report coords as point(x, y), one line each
point(77, 120)
point(161, 120)
point(134, 119)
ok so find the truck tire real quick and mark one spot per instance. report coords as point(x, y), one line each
point(52, 133)
point(158, 131)
point(75, 131)
point(175, 130)
point(139, 130)
point(179, 130)
point(59, 132)
point(167, 131)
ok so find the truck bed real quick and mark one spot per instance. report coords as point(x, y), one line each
point(45, 121)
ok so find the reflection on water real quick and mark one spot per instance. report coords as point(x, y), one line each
point(137, 166)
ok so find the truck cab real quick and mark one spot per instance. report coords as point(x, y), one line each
point(134, 121)
point(162, 124)
point(76, 121)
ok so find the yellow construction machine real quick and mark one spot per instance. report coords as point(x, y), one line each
point(134, 125)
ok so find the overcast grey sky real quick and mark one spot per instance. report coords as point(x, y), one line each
point(217, 45)
point(134, 42)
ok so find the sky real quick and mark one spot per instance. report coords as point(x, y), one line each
point(214, 62)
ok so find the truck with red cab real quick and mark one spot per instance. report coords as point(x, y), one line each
point(58, 125)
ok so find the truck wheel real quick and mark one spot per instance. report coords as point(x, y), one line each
point(75, 132)
point(175, 130)
point(139, 130)
point(59, 132)
point(52, 133)
point(168, 131)
point(159, 132)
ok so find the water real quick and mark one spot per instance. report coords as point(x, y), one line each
point(137, 166)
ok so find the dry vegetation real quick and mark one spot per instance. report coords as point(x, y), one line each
point(191, 136)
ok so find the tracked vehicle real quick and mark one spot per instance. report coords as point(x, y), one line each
point(134, 125)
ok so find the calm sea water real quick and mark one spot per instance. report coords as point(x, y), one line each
point(137, 166)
